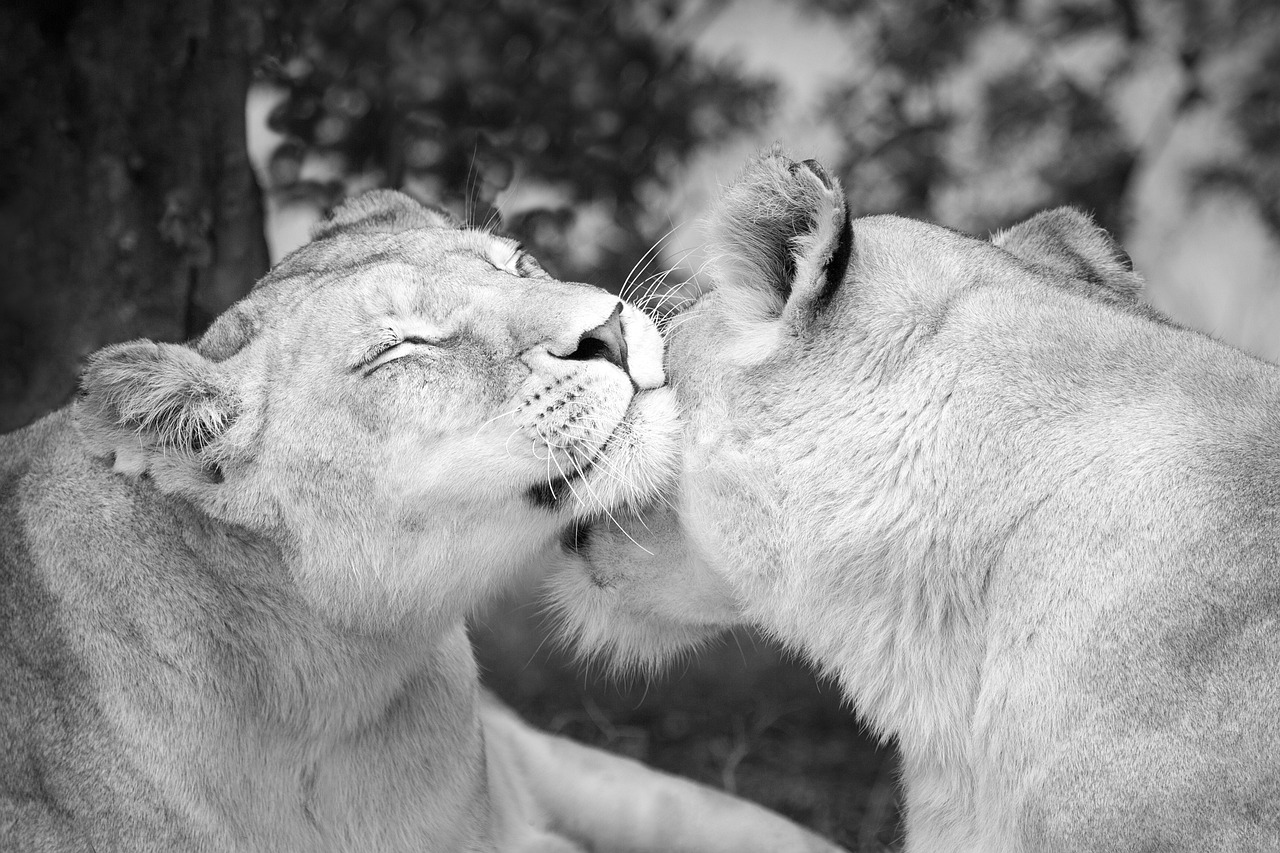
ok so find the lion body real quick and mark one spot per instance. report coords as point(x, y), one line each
point(234, 575)
point(1030, 527)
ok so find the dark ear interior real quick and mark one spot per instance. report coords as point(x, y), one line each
point(783, 228)
point(1068, 242)
point(145, 398)
point(384, 211)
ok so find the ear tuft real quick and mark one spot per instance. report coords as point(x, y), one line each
point(382, 211)
point(1068, 242)
point(783, 230)
point(143, 397)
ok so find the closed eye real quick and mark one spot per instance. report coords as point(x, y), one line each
point(383, 354)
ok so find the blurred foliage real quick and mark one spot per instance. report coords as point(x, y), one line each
point(979, 112)
point(600, 102)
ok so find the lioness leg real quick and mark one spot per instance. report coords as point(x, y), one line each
point(547, 788)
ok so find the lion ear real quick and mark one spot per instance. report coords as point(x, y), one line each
point(1068, 242)
point(140, 400)
point(385, 211)
point(782, 230)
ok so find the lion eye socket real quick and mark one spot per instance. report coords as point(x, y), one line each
point(391, 351)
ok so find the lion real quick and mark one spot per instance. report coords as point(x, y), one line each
point(236, 574)
point(1030, 526)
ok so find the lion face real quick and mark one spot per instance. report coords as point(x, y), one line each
point(410, 410)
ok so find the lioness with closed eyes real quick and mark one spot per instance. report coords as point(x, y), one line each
point(234, 574)
point(1029, 526)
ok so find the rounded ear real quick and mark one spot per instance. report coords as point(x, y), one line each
point(782, 230)
point(1068, 242)
point(141, 400)
point(386, 211)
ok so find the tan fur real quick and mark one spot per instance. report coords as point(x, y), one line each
point(1028, 525)
point(234, 575)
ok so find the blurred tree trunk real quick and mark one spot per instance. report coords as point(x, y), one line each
point(127, 204)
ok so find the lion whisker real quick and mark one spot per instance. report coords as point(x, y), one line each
point(494, 418)
point(587, 485)
point(644, 259)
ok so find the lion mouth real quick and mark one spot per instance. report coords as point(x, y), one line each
point(575, 536)
point(552, 493)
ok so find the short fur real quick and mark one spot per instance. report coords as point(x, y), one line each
point(1031, 527)
point(233, 576)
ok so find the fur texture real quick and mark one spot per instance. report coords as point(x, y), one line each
point(1029, 525)
point(234, 575)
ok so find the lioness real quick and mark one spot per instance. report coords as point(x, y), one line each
point(1031, 527)
point(234, 575)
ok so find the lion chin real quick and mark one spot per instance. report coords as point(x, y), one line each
point(1027, 523)
point(234, 575)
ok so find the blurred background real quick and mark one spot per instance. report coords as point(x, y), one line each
point(156, 157)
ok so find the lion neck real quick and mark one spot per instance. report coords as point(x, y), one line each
point(231, 606)
point(945, 472)
point(303, 667)
point(878, 569)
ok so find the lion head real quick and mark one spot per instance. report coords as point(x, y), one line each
point(409, 408)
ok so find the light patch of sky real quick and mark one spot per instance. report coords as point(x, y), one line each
point(803, 51)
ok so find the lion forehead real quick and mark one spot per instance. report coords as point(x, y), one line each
point(360, 276)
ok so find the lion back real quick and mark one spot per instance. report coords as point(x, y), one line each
point(53, 739)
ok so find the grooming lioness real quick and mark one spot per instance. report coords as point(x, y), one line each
point(1029, 526)
point(234, 575)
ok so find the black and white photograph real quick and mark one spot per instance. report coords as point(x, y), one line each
point(640, 426)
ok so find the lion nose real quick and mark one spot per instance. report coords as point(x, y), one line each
point(604, 341)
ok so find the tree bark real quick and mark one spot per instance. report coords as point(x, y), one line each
point(128, 207)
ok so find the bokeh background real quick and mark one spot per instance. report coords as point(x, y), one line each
point(155, 157)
